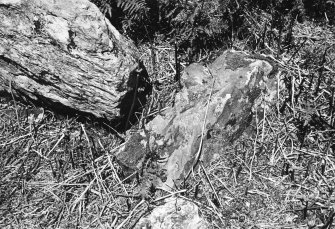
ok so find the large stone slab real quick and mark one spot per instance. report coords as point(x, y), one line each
point(219, 96)
point(65, 52)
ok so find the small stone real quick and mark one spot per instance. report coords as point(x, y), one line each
point(175, 213)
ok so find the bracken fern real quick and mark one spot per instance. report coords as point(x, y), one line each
point(135, 8)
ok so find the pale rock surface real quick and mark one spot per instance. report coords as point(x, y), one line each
point(175, 213)
point(67, 53)
point(235, 83)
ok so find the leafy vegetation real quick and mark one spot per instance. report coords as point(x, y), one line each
point(204, 25)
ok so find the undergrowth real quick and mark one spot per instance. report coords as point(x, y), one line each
point(58, 172)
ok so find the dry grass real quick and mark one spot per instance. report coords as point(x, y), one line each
point(57, 172)
point(281, 176)
point(52, 169)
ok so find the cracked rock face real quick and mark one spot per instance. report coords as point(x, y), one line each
point(234, 84)
point(65, 52)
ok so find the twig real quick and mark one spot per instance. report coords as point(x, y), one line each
point(88, 141)
point(15, 140)
point(82, 195)
point(197, 157)
point(255, 146)
point(53, 148)
point(224, 185)
point(130, 214)
point(169, 195)
point(117, 177)
point(15, 104)
point(210, 184)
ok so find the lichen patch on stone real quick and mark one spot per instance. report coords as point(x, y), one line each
point(238, 83)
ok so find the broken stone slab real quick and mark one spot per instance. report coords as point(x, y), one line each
point(67, 54)
point(220, 96)
point(176, 213)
